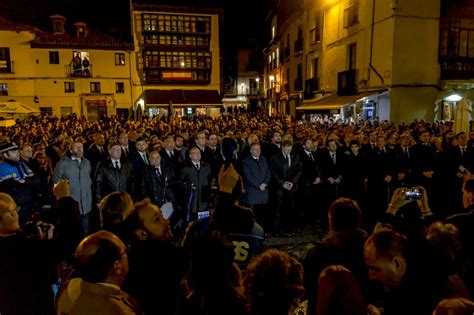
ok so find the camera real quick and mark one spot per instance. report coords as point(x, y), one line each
point(413, 194)
point(203, 215)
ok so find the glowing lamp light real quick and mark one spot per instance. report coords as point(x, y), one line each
point(453, 98)
point(141, 103)
point(257, 80)
point(271, 78)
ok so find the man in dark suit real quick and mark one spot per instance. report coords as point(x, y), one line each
point(332, 168)
point(96, 152)
point(274, 147)
point(113, 175)
point(286, 172)
point(196, 177)
point(256, 177)
point(127, 150)
point(310, 183)
point(460, 164)
point(155, 181)
point(169, 155)
point(423, 157)
point(212, 155)
point(140, 157)
point(404, 163)
point(381, 176)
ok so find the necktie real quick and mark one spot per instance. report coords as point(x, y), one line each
point(333, 156)
point(196, 166)
point(311, 157)
point(158, 172)
point(125, 151)
point(288, 160)
point(145, 159)
point(117, 165)
point(407, 154)
point(101, 150)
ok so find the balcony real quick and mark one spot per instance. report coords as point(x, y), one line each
point(457, 68)
point(456, 49)
point(82, 72)
point(311, 86)
point(272, 94)
point(299, 46)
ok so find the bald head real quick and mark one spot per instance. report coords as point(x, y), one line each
point(102, 258)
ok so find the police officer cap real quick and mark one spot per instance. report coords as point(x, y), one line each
point(7, 146)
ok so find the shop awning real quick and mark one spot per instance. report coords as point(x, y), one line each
point(335, 101)
point(182, 97)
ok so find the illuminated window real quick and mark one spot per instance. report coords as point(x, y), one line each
point(120, 59)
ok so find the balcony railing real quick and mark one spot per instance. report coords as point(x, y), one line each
point(81, 72)
point(272, 93)
point(456, 49)
point(457, 68)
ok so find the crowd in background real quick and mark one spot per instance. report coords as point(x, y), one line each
point(221, 185)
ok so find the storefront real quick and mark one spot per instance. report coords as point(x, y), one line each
point(180, 102)
point(364, 105)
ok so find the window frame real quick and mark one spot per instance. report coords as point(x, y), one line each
point(5, 60)
point(69, 87)
point(120, 59)
point(95, 87)
point(53, 57)
point(4, 89)
point(119, 91)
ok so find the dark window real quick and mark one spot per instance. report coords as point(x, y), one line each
point(120, 59)
point(4, 89)
point(95, 87)
point(351, 14)
point(119, 87)
point(46, 111)
point(69, 87)
point(352, 56)
point(54, 57)
point(5, 60)
point(315, 67)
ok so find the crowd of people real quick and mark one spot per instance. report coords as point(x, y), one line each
point(88, 211)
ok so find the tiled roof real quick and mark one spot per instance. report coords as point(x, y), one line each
point(93, 40)
point(6, 25)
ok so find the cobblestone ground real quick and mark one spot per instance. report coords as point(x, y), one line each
point(295, 244)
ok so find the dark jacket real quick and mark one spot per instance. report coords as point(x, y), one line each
point(254, 174)
point(201, 181)
point(108, 179)
point(282, 173)
point(155, 187)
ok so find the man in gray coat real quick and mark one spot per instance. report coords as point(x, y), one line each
point(77, 170)
point(256, 177)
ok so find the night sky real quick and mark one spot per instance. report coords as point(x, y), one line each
point(243, 19)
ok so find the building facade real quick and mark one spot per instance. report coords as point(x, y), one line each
point(356, 59)
point(242, 91)
point(86, 72)
point(177, 59)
